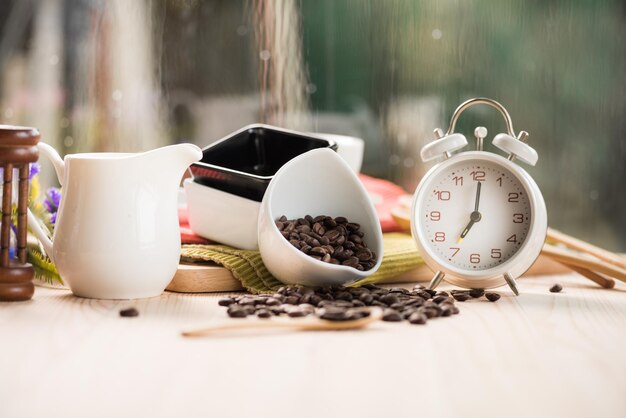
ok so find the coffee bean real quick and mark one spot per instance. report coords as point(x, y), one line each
point(492, 297)
point(440, 299)
point(351, 262)
point(390, 299)
point(264, 313)
point(330, 222)
point(352, 226)
point(391, 315)
point(333, 314)
point(347, 296)
point(235, 311)
point(292, 300)
point(431, 312)
point(318, 251)
point(446, 309)
point(226, 301)
point(296, 313)
point(476, 293)
point(366, 298)
point(556, 288)
point(461, 297)
point(130, 312)
point(364, 254)
point(417, 318)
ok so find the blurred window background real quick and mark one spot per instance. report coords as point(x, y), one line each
point(120, 75)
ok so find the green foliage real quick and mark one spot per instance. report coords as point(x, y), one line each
point(43, 266)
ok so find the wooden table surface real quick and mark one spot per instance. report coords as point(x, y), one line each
point(537, 355)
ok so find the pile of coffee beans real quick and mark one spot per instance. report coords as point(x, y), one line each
point(328, 239)
point(338, 303)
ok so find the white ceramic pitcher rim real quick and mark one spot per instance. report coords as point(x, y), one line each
point(95, 156)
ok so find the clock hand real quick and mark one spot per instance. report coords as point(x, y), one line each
point(477, 196)
point(474, 216)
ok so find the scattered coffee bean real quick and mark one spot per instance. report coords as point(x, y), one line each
point(556, 288)
point(129, 312)
point(330, 240)
point(492, 297)
point(477, 293)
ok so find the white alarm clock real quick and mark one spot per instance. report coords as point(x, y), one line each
point(478, 219)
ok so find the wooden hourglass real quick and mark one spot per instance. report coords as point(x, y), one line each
point(18, 148)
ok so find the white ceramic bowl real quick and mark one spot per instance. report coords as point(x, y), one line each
point(222, 217)
point(350, 148)
point(318, 182)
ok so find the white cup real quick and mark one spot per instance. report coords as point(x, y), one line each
point(318, 182)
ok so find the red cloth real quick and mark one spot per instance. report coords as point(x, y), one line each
point(384, 193)
point(389, 192)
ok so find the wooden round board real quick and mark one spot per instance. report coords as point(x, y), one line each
point(211, 277)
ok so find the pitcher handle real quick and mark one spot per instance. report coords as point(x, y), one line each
point(35, 224)
point(38, 229)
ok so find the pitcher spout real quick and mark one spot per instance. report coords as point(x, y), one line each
point(189, 153)
point(170, 162)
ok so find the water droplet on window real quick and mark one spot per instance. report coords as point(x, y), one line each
point(68, 141)
point(311, 88)
point(242, 30)
point(437, 34)
point(64, 122)
point(394, 160)
point(265, 55)
point(409, 162)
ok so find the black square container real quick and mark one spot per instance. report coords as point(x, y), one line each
point(244, 162)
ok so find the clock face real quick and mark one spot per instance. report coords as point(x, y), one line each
point(473, 215)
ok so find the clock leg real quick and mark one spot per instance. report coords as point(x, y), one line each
point(511, 282)
point(436, 280)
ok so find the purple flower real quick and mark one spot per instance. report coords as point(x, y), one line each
point(53, 198)
point(34, 170)
point(53, 218)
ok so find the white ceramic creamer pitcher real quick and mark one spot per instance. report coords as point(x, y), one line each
point(117, 234)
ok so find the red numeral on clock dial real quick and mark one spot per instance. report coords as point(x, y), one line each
point(435, 215)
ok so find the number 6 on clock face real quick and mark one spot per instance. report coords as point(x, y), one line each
point(477, 216)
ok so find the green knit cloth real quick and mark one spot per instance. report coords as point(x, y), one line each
point(400, 255)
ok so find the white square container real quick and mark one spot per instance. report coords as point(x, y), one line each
point(222, 217)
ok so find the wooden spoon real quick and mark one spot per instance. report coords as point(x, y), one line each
point(305, 324)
